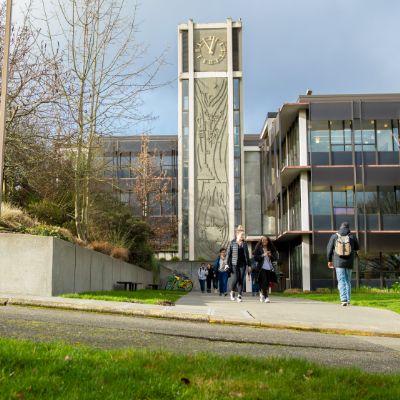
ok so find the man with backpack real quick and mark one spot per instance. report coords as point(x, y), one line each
point(341, 249)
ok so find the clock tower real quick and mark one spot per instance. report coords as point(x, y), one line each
point(210, 136)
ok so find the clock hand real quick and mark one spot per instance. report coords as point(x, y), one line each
point(208, 47)
point(212, 45)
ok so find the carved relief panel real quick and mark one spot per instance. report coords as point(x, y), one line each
point(211, 166)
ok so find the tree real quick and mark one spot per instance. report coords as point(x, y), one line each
point(106, 76)
point(152, 191)
point(33, 97)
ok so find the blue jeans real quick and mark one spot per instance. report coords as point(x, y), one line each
point(223, 282)
point(202, 285)
point(344, 283)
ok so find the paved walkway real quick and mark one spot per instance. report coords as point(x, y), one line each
point(282, 312)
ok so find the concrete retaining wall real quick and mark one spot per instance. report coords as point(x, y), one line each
point(47, 266)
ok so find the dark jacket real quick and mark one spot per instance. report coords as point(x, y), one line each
point(231, 257)
point(338, 261)
point(259, 256)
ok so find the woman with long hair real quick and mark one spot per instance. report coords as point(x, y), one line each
point(265, 254)
point(238, 260)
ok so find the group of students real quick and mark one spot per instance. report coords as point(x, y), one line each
point(236, 260)
point(341, 251)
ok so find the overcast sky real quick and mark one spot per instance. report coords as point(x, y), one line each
point(330, 46)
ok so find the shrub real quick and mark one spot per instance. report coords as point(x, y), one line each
point(48, 230)
point(395, 287)
point(201, 259)
point(15, 218)
point(120, 253)
point(162, 259)
point(48, 212)
point(101, 246)
point(323, 290)
point(175, 258)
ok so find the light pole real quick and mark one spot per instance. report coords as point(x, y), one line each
point(4, 86)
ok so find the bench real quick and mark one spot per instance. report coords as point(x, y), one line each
point(128, 285)
point(153, 286)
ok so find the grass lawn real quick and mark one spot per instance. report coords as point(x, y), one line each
point(57, 371)
point(139, 296)
point(388, 300)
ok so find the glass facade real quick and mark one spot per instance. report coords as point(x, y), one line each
point(368, 208)
point(370, 142)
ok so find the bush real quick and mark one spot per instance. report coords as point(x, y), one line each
point(48, 212)
point(293, 291)
point(120, 253)
point(395, 287)
point(201, 259)
point(101, 246)
point(175, 258)
point(48, 230)
point(15, 218)
point(162, 259)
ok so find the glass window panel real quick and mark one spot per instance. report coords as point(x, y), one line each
point(396, 135)
point(185, 90)
point(321, 203)
point(236, 118)
point(319, 136)
point(236, 94)
point(384, 135)
point(337, 135)
point(387, 200)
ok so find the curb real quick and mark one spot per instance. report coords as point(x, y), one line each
point(169, 314)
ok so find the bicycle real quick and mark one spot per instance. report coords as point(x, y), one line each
point(176, 281)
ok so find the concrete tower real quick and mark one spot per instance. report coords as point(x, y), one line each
point(210, 136)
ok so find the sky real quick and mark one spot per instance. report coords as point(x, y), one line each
point(329, 46)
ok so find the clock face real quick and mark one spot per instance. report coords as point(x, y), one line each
point(210, 50)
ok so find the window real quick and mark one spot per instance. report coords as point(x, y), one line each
point(321, 207)
point(319, 136)
point(384, 135)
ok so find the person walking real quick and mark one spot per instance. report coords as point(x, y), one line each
point(210, 277)
point(264, 255)
point(237, 260)
point(202, 274)
point(222, 273)
point(341, 249)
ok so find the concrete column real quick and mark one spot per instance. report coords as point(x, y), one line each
point(303, 148)
point(180, 148)
point(304, 201)
point(191, 142)
point(231, 159)
point(306, 262)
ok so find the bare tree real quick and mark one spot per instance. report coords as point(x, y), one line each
point(33, 96)
point(152, 189)
point(107, 74)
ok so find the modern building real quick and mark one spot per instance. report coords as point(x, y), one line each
point(326, 160)
point(121, 155)
point(210, 121)
point(317, 162)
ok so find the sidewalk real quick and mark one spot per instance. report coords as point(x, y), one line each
point(281, 313)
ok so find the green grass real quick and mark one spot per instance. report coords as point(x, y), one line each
point(388, 300)
point(57, 371)
point(139, 296)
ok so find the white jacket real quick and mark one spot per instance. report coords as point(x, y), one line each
point(202, 273)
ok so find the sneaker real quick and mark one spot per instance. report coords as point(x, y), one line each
point(344, 303)
point(239, 298)
point(262, 298)
point(267, 300)
point(348, 303)
point(232, 295)
point(226, 294)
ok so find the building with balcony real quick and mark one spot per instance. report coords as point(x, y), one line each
point(325, 160)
